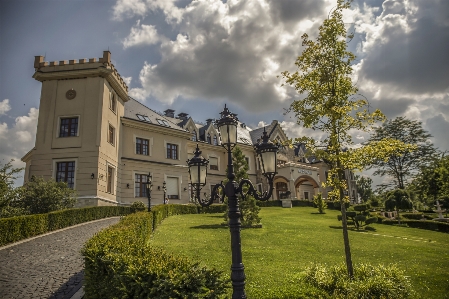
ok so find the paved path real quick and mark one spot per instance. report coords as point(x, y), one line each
point(49, 266)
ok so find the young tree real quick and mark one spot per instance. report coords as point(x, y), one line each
point(249, 211)
point(39, 196)
point(8, 194)
point(330, 105)
point(364, 187)
point(398, 199)
point(401, 166)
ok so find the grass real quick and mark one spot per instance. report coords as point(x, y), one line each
point(293, 238)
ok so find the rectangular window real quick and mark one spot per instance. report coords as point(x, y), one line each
point(111, 134)
point(140, 185)
point(213, 163)
point(172, 151)
point(68, 127)
point(65, 172)
point(247, 162)
point(110, 180)
point(112, 101)
point(142, 146)
point(306, 195)
point(172, 188)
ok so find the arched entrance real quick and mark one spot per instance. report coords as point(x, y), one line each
point(281, 188)
point(306, 187)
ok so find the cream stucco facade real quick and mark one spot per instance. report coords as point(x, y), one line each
point(91, 134)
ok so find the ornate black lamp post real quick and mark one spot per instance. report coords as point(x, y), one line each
point(266, 150)
point(149, 186)
point(164, 187)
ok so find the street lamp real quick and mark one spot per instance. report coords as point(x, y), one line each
point(164, 187)
point(266, 150)
point(149, 186)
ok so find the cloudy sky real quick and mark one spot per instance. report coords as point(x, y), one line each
point(195, 56)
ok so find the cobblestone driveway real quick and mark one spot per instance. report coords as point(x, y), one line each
point(50, 266)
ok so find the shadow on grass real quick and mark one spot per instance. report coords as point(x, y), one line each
point(368, 228)
point(210, 226)
point(215, 216)
point(317, 213)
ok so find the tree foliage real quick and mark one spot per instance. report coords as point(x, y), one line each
point(40, 196)
point(432, 182)
point(9, 194)
point(320, 203)
point(403, 165)
point(364, 187)
point(331, 105)
point(249, 211)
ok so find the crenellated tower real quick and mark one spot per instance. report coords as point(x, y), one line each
point(78, 127)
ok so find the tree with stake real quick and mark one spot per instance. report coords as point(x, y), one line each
point(330, 105)
point(364, 187)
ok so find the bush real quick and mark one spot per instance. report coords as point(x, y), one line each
point(336, 205)
point(416, 216)
point(301, 203)
point(121, 263)
point(214, 208)
point(269, 203)
point(423, 224)
point(18, 228)
point(361, 208)
point(369, 282)
point(320, 203)
point(137, 206)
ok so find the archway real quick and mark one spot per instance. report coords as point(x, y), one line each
point(306, 187)
point(280, 187)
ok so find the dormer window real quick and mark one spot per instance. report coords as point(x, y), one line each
point(143, 118)
point(163, 122)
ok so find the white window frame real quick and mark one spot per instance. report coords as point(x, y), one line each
point(53, 171)
point(218, 161)
point(134, 172)
point(58, 128)
point(165, 149)
point(115, 133)
point(179, 177)
point(150, 145)
point(114, 180)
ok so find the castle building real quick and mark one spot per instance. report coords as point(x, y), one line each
point(103, 143)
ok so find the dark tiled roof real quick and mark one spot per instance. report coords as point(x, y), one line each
point(134, 108)
point(257, 133)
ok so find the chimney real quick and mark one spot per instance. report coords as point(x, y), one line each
point(37, 61)
point(209, 120)
point(183, 116)
point(243, 125)
point(106, 57)
point(169, 113)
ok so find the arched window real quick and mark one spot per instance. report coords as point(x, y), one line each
point(215, 140)
point(208, 138)
point(194, 135)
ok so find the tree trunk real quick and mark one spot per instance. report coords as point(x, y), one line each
point(346, 237)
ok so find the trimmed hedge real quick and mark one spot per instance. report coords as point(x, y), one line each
point(21, 227)
point(416, 216)
point(269, 203)
point(302, 203)
point(214, 208)
point(423, 224)
point(121, 263)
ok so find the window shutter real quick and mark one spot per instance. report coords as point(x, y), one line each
point(172, 187)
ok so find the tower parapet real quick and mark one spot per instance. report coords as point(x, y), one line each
point(72, 69)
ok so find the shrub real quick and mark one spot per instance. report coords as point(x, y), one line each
point(214, 208)
point(361, 208)
point(427, 224)
point(137, 206)
point(336, 205)
point(369, 282)
point(18, 228)
point(320, 203)
point(301, 203)
point(270, 203)
point(121, 263)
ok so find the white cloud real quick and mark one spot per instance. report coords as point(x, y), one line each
point(129, 8)
point(127, 80)
point(4, 106)
point(17, 140)
point(141, 34)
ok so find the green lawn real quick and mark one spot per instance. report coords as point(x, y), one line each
point(293, 238)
